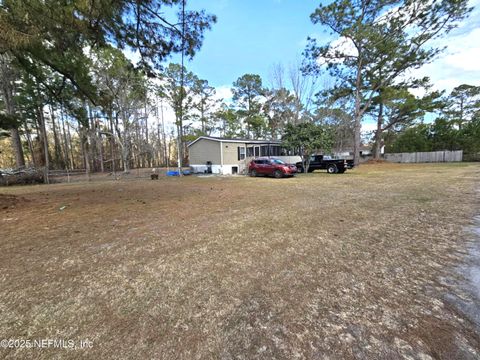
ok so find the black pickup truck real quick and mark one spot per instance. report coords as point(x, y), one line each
point(321, 162)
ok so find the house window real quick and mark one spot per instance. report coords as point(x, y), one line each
point(257, 151)
point(241, 153)
point(250, 152)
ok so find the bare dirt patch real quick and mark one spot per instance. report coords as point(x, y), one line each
point(11, 201)
point(317, 266)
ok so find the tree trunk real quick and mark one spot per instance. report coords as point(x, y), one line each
point(7, 79)
point(148, 153)
point(357, 117)
point(126, 156)
point(30, 144)
point(164, 140)
point(179, 144)
point(357, 140)
point(15, 136)
point(126, 149)
point(57, 148)
point(17, 148)
point(43, 131)
point(378, 133)
point(100, 151)
point(124, 140)
point(71, 145)
point(137, 150)
point(92, 136)
point(112, 142)
point(66, 156)
point(83, 133)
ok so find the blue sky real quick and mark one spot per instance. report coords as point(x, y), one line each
point(250, 36)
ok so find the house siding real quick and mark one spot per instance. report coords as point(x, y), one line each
point(205, 150)
point(230, 158)
point(230, 153)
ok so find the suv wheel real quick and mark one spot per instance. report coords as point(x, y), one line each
point(331, 169)
point(278, 174)
point(253, 173)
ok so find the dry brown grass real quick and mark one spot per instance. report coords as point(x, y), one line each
point(317, 266)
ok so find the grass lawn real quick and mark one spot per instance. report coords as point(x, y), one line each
point(316, 266)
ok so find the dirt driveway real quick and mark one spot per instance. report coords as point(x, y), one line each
point(318, 266)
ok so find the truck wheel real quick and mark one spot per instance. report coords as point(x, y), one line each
point(332, 169)
point(278, 174)
point(253, 173)
point(299, 170)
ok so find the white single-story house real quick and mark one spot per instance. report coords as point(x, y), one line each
point(215, 155)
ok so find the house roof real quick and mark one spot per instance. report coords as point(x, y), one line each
point(243, 141)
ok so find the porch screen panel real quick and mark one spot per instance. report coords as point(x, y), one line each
point(264, 150)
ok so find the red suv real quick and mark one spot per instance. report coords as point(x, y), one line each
point(271, 166)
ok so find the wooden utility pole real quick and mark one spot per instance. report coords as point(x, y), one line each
point(112, 142)
point(182, 82)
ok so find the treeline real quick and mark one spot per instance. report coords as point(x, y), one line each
point(440, 135)
point(70, 98)
point(456, 127)
point(141, 119)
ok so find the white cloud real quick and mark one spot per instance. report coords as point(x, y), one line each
point(460, 62)
point(466, 59)
point(345, 46)
point(224, 92)
point(341, 48)
point(132, 55)
point(368, 127)
point(418, 92)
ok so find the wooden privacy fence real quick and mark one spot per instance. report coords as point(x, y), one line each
point(425, 157)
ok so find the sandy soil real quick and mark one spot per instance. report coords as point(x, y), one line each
point(319, 266)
